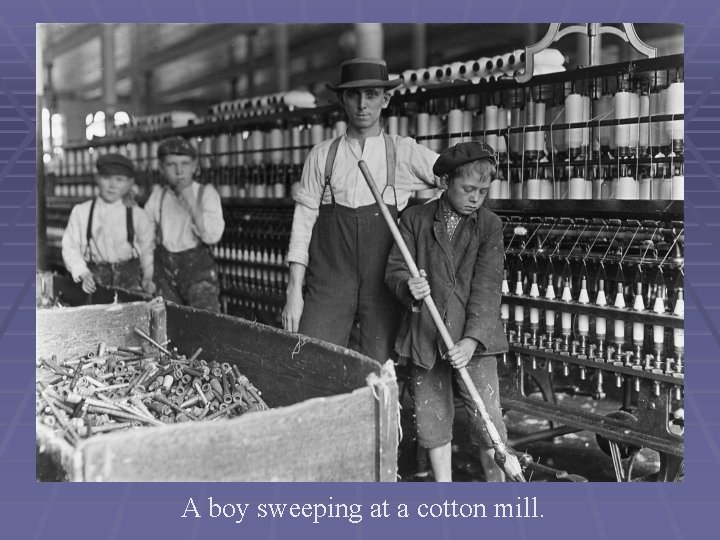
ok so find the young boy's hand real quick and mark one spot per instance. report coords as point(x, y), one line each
point(148, 285)
point(419, 286)
point(462, 352)
point(88, 282)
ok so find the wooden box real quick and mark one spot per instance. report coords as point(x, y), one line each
point(334, 413)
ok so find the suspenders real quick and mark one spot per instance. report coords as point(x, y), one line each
point(129, 227)
point(160, 211)
point(330, 161)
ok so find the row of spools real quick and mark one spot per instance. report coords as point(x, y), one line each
point(462, 119)
point(486, 68)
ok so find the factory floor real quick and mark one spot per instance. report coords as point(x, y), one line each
point(576, 453)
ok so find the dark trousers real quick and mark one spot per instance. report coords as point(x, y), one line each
point(345, 280)
point(188, 277)
point(125, 275)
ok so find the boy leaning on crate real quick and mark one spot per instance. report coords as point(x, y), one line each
point(459, 245)
point(108, 242)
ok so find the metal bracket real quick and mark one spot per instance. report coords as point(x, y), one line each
point(555, 33)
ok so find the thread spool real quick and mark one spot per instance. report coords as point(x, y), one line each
point(454, 70)
point(223, 148)
point(577, 188)
point(678, 188)
point(516, 140)
point(153, 159)
point(585, 119)
point(532, 189)
point(256, 143)
point(546, 189)
point(470, 69)
point(604, 111)
point(407, 77)
point(676, 105)
point(645, 188)
point(540, 121)
point(574, 114)
point(422, 126)
point(596, 188)
point(392, 125)
point(435, 128)
point(634, 127)
point(502, 123)
point(663, 132)
point(467, 125)
point(496, 189)
point(654, 127)
point(486, 66)
point(627, 188)
point(295, 142)
point(276, 141)
point(455, 125)
point(490, 120)
point(206, 152)
point(622, 132)
point(644, 128)
point(557, 136)
point(403, 126)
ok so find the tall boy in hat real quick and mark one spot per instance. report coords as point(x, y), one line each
point(107, 242)
point(460, 244)
point(339, 242)
point(188, 219)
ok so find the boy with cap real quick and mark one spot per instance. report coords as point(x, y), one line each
point(460, 244)
point(108, 242)
point(188, 219)
point(339, 242)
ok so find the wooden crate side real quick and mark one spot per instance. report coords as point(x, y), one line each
point(67, 332)
point(286, 367)
point(320, 440)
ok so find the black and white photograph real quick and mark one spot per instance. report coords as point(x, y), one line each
point(371, 252)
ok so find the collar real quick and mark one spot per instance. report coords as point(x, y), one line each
point(100, 202)
point(444, 206)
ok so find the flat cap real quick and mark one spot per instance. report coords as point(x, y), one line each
point(176, 146)
point(110, 164)
point(465, 152)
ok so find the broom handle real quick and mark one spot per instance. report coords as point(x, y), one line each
point(432, 308)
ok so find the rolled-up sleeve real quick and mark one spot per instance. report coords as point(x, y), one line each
point(311, 181)
point(213, 222)
point(145, 241)
point(73, 245)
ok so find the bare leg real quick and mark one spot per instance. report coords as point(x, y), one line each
point(493, 473)
point(440, 459)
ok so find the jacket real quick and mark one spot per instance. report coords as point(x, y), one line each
point(466, 290)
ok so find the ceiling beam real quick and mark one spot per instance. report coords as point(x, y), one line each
point(81, 34)
point(205, 37)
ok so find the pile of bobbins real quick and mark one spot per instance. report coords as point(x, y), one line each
point(118, 388)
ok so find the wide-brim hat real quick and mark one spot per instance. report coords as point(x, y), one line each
point(364, 73)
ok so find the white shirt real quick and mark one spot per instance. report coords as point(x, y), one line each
point(109, 242)
point(413, 171)
point(178, 230)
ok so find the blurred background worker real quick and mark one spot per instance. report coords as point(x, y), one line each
point(188, 218)
point(109, 241)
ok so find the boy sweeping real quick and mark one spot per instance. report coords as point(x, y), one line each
point(460, 244)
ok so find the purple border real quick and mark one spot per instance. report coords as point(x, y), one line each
point(597, 511)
